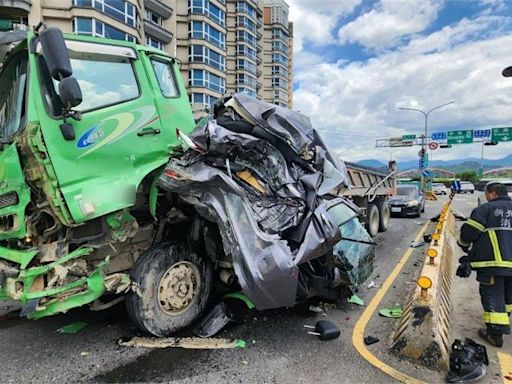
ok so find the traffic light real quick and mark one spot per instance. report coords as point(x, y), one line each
point(445, 146)
point(491, 143)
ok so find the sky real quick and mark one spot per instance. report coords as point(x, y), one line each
point(356, 62)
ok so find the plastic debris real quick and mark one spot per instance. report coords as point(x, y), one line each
point(392, 313)
point(354, 299)
point(468, 361)
point(214, 321)
point(183, 342)
point(240, 296)
point(73, 327)
point(417, 244)
point(369, 340)
point(316, 309)
point(372, 284)
point(325, 330)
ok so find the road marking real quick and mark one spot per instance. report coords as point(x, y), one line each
point(358, 333)
point(506, 366)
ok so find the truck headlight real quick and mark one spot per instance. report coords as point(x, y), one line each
point(413, 203)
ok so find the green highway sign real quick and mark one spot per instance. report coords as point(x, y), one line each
point(460, 137)
point(408, 137)
point(502, 134)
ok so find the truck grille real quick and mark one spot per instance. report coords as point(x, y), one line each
point(8, 199)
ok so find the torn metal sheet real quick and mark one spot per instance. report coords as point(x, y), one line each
point(265, 177)
point(183, 342)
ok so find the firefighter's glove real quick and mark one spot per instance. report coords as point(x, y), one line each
point(464, 269)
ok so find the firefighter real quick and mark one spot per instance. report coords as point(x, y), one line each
point(487, 239)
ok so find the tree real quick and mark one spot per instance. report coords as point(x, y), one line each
point(468, 176)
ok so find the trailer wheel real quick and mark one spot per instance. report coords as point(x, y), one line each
point(384, 215)
point(175, 284)
point(373, 220)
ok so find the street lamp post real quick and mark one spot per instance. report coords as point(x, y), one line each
point(425, 135)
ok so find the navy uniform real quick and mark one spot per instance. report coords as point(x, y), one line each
point(488, 233)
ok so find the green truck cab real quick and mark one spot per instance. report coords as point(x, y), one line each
point(87, 125)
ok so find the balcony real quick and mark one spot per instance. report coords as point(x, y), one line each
point(15, 8)
point(159, 7)
point(157, 32)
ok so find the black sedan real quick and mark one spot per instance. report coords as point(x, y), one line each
point(408, 201)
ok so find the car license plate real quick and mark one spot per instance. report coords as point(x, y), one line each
point(396, 209)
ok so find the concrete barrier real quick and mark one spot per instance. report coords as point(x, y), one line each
point(424, 329)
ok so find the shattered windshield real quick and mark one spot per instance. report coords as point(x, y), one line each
point(411, 192)
point(13, 80)
point(104, 80)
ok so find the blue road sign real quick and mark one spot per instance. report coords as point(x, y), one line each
point(456, 185)
point(482, 133)
point(439, 136)
point(421, 164)
point(426, 173)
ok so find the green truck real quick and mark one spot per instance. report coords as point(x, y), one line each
point(88, 126)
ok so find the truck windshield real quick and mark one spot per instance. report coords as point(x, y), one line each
point(13, 79)
point(104, 80)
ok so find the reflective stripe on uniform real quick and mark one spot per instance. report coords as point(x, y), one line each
point(496, 318)
point(495, 246)
point(490, 264)
point(508, 308)
point(464, 244)
point(475, 224)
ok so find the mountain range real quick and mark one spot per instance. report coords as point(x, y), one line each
point(456, 165)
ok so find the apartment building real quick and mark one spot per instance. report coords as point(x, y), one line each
point(223, 46)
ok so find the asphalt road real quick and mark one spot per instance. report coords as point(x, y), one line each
point(278, 351)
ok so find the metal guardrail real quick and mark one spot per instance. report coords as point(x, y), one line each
point(424, 329)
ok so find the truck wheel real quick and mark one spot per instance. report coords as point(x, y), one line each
point(175, 284)
point(373, 220)
point(384, 215)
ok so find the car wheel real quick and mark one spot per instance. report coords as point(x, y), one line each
point(174, 286)
point(472, 192)
point(384, 215)
point(373, 220)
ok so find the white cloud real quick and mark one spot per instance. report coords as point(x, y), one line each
point(315, 20)
point(353, 104)
point(389, 21)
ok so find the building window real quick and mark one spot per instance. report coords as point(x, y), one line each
point(152, 42)
point(243, 50)
point(280, 95)
point(117, 9)
point(93, 27)
point(279, 46)
point(245, 22)
point(278, 33)
point(201, 30)
point(246, 65)
point(202, 78)
point(153, 17)
point(243, 78)
point(205, 7)
point(248, 91)
point(280, 71)
point(202, 54)
point(279, 83)
point(246, 37)
point(201, 98)
point(243, 7)
point(279, 58)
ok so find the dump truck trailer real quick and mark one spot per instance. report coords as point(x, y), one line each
point(110, 191)
point(370, 189)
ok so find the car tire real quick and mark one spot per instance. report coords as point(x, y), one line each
point(384, 215)
point(157, 273)
point(472, 192)
point(372, 220)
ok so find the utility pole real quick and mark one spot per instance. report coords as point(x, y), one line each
point(425, 135)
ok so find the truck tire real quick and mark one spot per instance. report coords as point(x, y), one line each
point(373, 220)
point(384, 215)
point(175, 284)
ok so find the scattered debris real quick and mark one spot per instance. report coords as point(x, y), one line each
point(369, 340)
point(372, 285)
point(240, 296)
point(214, 321)
point(427, 238)
point(83, 353)
point(73, 327)
point(183, 342)
point(393, 313)
point(316, 309)
point(354, 299)
point(417, 244)
point(325, 330)
point(467, 361)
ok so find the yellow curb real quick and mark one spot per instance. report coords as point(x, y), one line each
point(358, 333)
point(506, 366)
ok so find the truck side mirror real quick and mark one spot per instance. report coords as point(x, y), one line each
point(55, 53)
point(70, 93)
